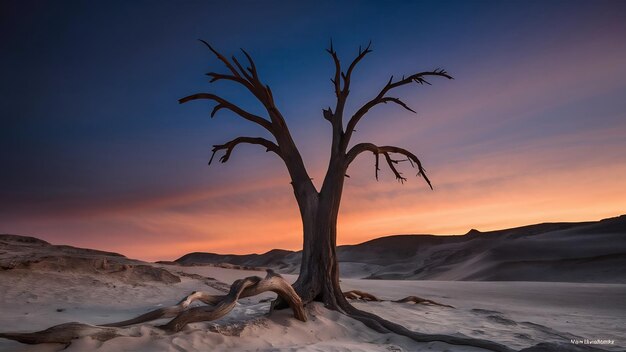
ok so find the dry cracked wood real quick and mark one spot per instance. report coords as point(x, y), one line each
point(218, 306)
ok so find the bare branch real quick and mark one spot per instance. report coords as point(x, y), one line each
point(391, 162)
point(229, 146)
point(249, 78)
point(419, 78)
point(223, 103)
point(274, 123)
point(270, 98)
point(243, 71)
point(221, 58)
point(342, 92)
point(385, 100)
point(252, 67)
point(386, 150)
point(348, 75)
point(235, 77)
point(381, 98)
point(328, 114)
point(219, 76)
point(336, 81)
point(376, 167)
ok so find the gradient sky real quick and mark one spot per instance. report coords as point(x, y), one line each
point(95, 151)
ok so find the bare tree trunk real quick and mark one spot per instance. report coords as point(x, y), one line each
point(319, 269)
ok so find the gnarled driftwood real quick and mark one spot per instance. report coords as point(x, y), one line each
point(217, 307)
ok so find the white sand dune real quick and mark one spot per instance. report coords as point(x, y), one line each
point(517, 314)
point(551, 252)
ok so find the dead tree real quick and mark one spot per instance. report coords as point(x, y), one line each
point(319, 273)
point(319, 270)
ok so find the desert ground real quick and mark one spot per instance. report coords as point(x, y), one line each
point(43, 285)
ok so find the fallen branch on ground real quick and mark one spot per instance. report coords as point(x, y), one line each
point(419, 300)
point(356, 294)
point(217, 307)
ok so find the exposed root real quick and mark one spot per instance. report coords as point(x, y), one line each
point(64, 333)
point(170, 312)
point(251, 286)
point(356, 294)
point(219, 306)
point(384, 326)
point(381, 325)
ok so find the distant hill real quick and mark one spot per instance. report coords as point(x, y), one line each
point(562, 252)
point(35, 255)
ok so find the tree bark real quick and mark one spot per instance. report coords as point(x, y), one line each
point(319, 268)
point(319, 271)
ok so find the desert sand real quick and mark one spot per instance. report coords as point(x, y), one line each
point(42, 285)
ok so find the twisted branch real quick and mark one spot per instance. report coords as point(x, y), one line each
point(229, 146)
point(225, 104)
point(348, 75)
point(337, 78)
point(249, 78)
point(183, 315)
point(172, 311)
point(418, 78)
point(339, 74)
point(223, 59)
point(249, 286)
point(386, 151)
point(386, 100)
point(342, 92)
point(275, 123)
